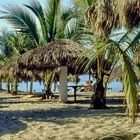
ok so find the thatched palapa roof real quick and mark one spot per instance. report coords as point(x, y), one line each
point(11, 72)
point(54, 54)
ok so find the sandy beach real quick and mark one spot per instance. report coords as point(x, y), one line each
point(24, 118)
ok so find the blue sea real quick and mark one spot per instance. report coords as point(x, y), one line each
point(39, 86)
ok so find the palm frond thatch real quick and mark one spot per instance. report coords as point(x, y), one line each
point(11, 72)
point(104, 15)
point(54, 54)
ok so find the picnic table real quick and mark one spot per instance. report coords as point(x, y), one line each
point(75, 89)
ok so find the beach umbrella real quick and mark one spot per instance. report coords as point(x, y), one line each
point(57, 54)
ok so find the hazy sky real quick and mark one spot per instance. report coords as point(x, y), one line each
point(3, 24)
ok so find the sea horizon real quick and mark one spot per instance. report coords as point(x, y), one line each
point(38, 86)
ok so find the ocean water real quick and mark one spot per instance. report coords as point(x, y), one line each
point(38, 87)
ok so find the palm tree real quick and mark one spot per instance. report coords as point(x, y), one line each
point(104, 17)
point(19, 42)
point(6, 54)
point(14, 44)
point(42, 24)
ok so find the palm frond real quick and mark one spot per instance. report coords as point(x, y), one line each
point(134, 39)
point(22, 21)
point(130, 81)
point(38, 10)
point(92, 54)
point(56, 19)
point(70, 28)
point(51, 11)
point(130, 87)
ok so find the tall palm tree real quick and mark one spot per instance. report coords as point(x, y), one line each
point(104, 17)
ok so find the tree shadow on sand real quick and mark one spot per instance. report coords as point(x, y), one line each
point(11, 122)
point(118, 136)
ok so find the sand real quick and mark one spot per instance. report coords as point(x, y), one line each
point(24, 118)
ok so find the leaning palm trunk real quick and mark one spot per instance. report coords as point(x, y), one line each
point(47, 85)
point(46, 75)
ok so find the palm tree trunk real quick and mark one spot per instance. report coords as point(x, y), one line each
point(27, 87)
point(63, 96)
point(45, 86)
point(8, 86)
point(15, 86)
point(49, 76)
point(89, 75)
point(31, 87)
point(98, 98)
point(46, 77)
point(77, 79)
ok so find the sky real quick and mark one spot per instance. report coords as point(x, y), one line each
point(4, 24)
